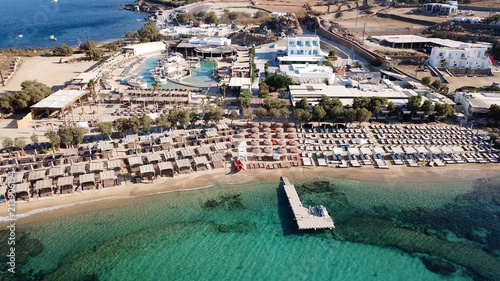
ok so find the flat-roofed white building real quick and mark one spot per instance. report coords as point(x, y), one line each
point(462, 57)
point(313, 93)
point(308, 73)
point(302, 48)
point(145, 48)
point(477, 104)
point(215, 41)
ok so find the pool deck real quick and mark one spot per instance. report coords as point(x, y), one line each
point(305, 218)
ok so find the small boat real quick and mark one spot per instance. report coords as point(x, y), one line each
point(20, 36)
point(322, 211)
point(160, 78)
point(136, 82)
point(54, 1)
point(138, 20)
point(53, 38)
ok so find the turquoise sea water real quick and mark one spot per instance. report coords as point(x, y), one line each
point(248, 233)
point(67, 20)
point(200, 75)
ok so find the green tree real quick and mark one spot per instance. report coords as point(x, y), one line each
point(274, 113)
point(376, 104)
point(91, 50)
point(134, 123)
point(78, 135)
point(211, 18)
point(363, 114)
point(213, 114)
point(163, 122)
point(319, 113)
point(261, 112)
point(273, 103)
point(426, 80)
point(444, 110)
point(62, 50)
point(443, 62)
point(350, 115)
point(54, 139)
point(278, 81)
point(224, 86)
point(34, 138)
point(121, 125)
point(427, 106)
point(112, 47)
point(146, 122)
point(20, 143)
point(437, 84)
point(303, 103)
point(173, 116)
point(361, 102)
point(301, 115)
point(494, 112)
point(284, 112)
point(66, 135)
point(130, 34)
point(248, 114)
point(391, 106)
point(184, 117)
point(7, 143)
point(414, 103)
point(149, 33)
point(105, 128)
point(233, 115)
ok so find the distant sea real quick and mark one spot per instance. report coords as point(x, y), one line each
point(67, 20)
point(247, 232)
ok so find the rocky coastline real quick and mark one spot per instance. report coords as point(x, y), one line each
point(144, 7)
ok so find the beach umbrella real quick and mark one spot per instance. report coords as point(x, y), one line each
point(267, 130)
point(280, 136)
point(278, 125)
point(268, 150)
point(267, 142)
point(238, 136)
point(296, 150)
point(294, 142)
point(255, 143)
point(292, 130)
point(254, 130)
point(257, 151)
point(291, 124)
point(280, 130)
point(267, 136)
point(266, 125)
point(240, 131)
point(292, 136)
point(255, 135)
point(282, 151)
point(281, 142)
point(255, 125)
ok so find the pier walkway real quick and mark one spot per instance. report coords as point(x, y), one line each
point(307, 218)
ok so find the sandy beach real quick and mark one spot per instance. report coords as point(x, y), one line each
point(206, 179)
point(47, 70)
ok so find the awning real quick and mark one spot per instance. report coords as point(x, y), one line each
point(36, 175)
point(65, 181)
point(78, 169)
point(181, 163)
point(201, 160)
point(165, 166)
point(56, 171)
point(147, 169)
point(114, 164)
point(96, 166)
point(43, 184)
point(107, 175)
point(87, 178)
point(133, 161)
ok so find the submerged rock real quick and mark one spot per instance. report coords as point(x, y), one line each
point(438, 266)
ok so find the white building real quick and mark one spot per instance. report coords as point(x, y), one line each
point(462, 57)
point(451, 7)
point(145, 48)
point(302, 48)
point(477, 104)
point(308, 73)
point(221, 41)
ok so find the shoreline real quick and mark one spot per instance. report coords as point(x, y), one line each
point(214, 178)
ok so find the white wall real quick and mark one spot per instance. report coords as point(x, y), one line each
point(466, 57)
point(303, 46)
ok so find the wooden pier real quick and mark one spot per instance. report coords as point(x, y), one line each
point(307, 218)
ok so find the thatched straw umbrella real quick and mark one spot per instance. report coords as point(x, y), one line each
point(267, 130)
point(282, 151)
point(291, 124)
point(267, 136)
point(254, 130)
point(295, 150)
point(279, 130)
point(292, 130)
point(294, 142)
point(280, 136)
point(255, 143)
point(268, 150)
point(255, 135)
point(281, 142)
point(292, 136)
point(266, 125)
point(255, 125)
point(279, 125)
point(257, 151)
point(268, 142)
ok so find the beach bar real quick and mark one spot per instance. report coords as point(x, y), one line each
point(307, 218)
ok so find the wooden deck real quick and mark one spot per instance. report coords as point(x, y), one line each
point(307, 218)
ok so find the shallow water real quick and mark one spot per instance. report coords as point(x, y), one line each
point(248, 233)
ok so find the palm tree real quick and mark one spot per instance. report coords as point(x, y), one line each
point(155, 85)
point(224, 86)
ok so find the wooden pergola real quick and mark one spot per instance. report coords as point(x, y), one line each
point(87, 181)
point(108, 178)
point(147, 171)
point(183, 166)
point(166, 168)
point(65, 184)
point(200, 163)
point(22, 191)
point(44, 187)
